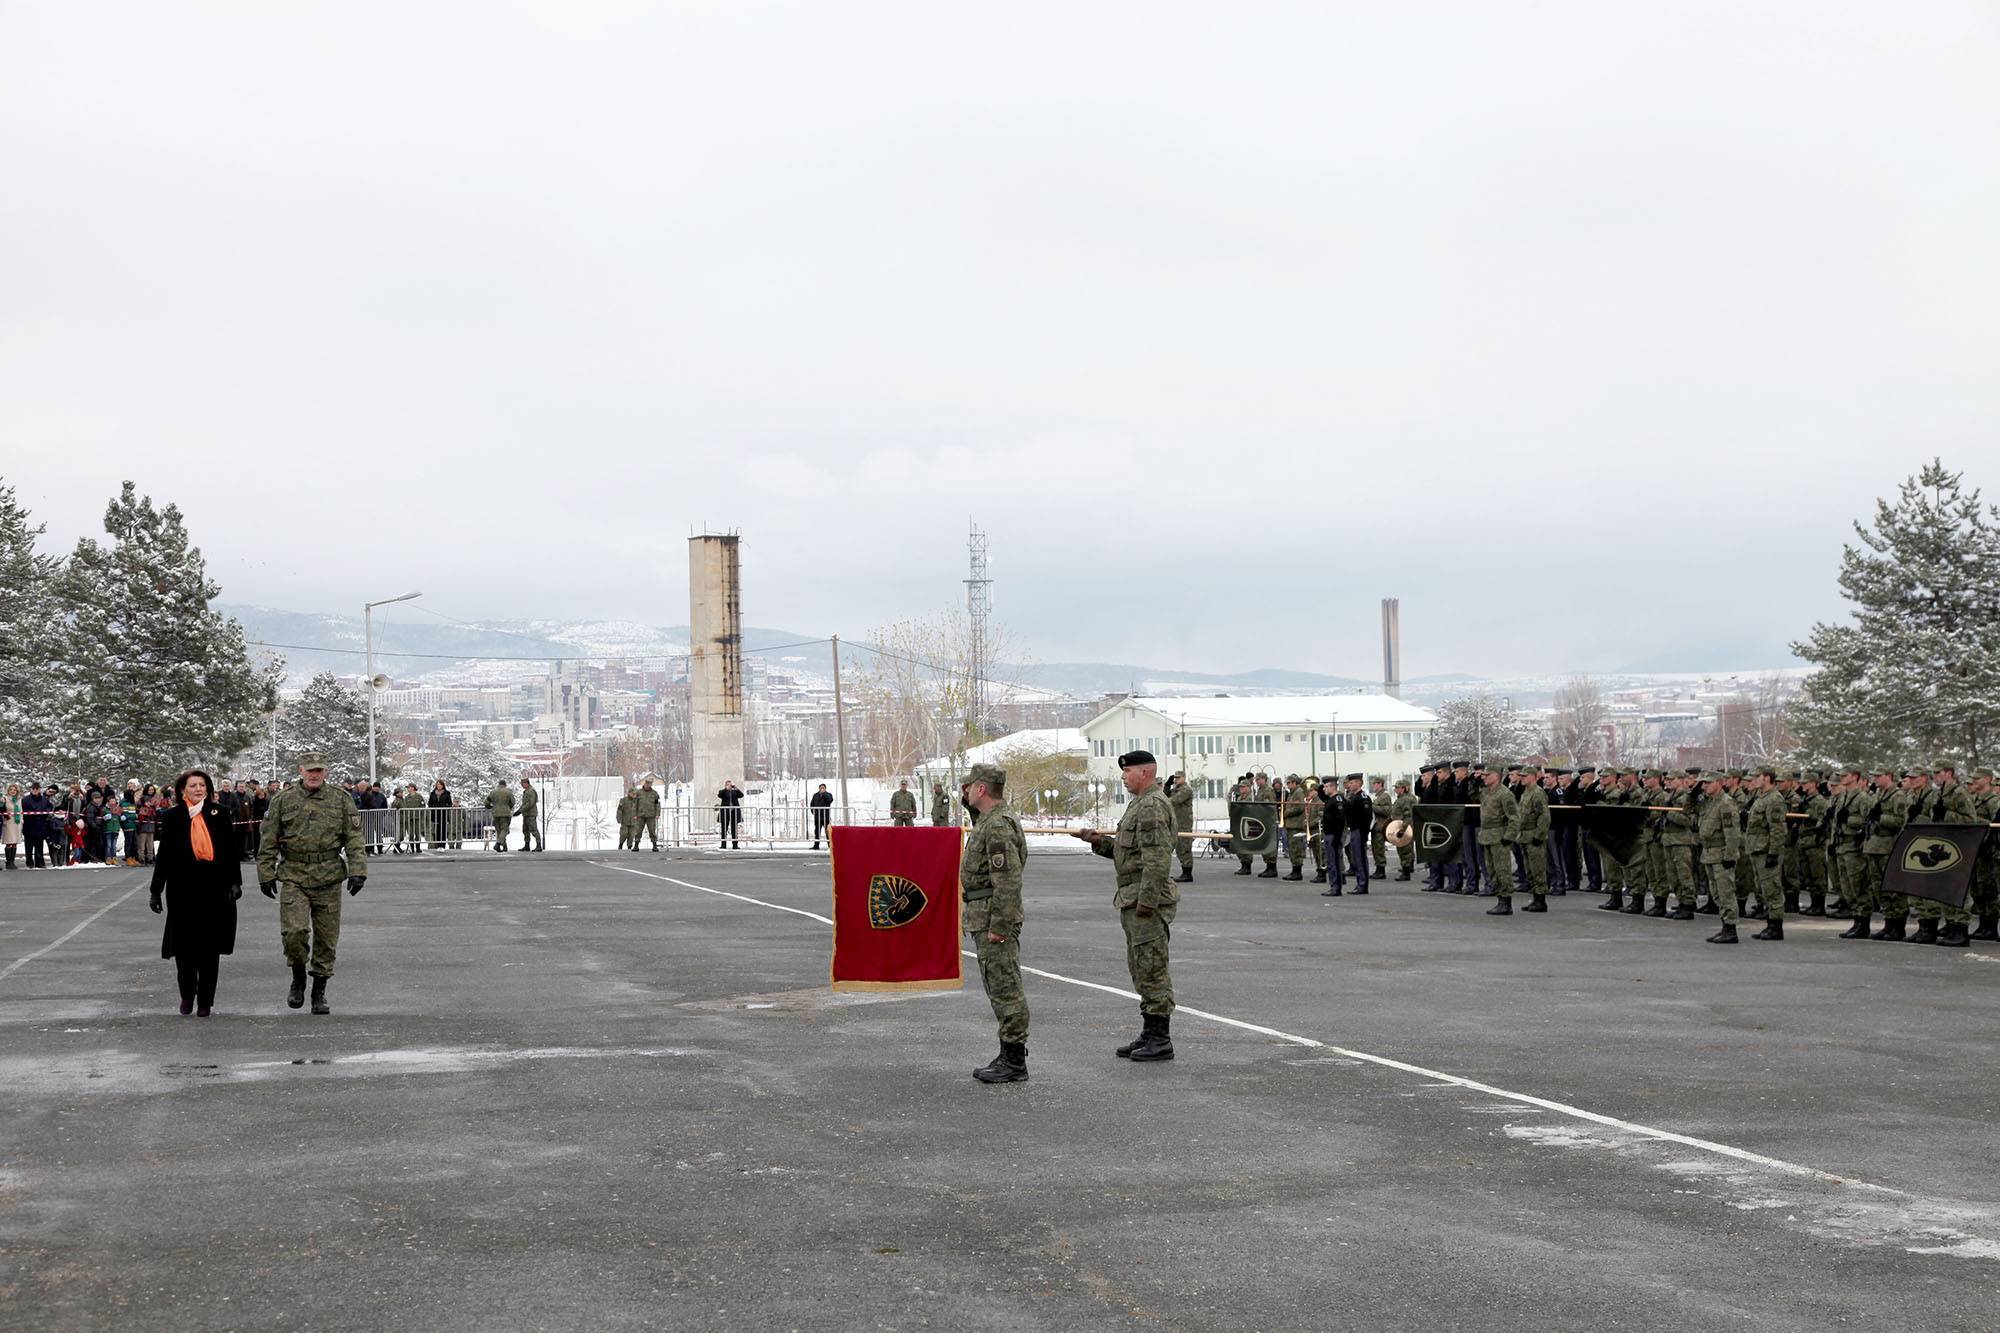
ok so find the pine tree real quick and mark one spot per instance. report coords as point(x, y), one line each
point(332, 720)
point(1916, 674)
point(475, 765)
point(1476, 726)
point(151, 678)
point(28, 599)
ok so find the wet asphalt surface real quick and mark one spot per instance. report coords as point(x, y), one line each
point(553, 1094)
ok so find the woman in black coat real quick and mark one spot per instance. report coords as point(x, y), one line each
point(201, 890)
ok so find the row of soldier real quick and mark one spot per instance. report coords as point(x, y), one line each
point(1340, 823)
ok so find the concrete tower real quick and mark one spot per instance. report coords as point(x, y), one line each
point(1392, 647)
point(715, 666)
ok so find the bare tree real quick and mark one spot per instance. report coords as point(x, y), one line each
point(914, 689)
point(1576, 732)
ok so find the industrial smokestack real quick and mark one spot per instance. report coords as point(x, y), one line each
point(1392, 648)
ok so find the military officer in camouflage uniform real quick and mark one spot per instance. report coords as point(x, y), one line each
point(903, 806)
point(1986, 870)
point(1266, 790)
point(311, 841)
point(1645, 871)
point(989, 880)
point(646, 814)
point(940, 806)
point(1763, 852)
point(1531, 833)
point(1844, 846)
point(531, 818)
point(1384, 807)
point(1499, 812)
point(1886, 811)
point(500, 805)
point(1809, 841)
point(1146, 900)
point(1181, 796)
point(1946, 802)
point(1403, 806)
point(1294, 819)
point(628, 823)
point(1315, 808)
point(1720, 834)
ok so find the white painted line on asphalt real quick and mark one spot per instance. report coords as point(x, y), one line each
point(1442, 1079)
point(75, 930)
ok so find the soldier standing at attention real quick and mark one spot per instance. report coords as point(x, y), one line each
point(311, 840)
point(1181, 797)
point(531, 818)
point(1946, 803)
point(1332, 832)
point(1146, 900)
point(1378, 844)
point(646, 814)
point(989, 879)
point(1498, 813)
point(1986, 870)
point(1884, 811)
point(1359, 810)
point(1764, 850)
point(1721, 844)
point(903, 806)
point(1531, 830)
point(1294, 820)
point(500, 804)
point(1811, 802)
point(940, 806)
point(1404, 807)
point(1310, 793)
point(1471, 786)
point(1242, 791)
point(628, 823)
point(1272, 793)
point(1679, 844)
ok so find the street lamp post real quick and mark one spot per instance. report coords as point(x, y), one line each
point(368, 637)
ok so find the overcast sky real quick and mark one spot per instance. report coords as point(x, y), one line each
point(1584, 328)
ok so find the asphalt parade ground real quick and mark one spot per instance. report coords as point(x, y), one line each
point(614, 1091)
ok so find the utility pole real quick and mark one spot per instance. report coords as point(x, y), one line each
point(368, 638)
point(840, 729)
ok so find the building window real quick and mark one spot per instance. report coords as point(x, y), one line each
point(1254, 744)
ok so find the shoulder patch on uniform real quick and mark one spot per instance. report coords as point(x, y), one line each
point(999, 860)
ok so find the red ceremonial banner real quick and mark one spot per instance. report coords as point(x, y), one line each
point(895, 908)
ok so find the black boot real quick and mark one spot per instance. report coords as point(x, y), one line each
point(1615, 903)
point(296, 996)
point(1709, 908)
point(1268, 872)
point(1857, 931)
point(1540, 904)
point(1636, 905)
point(1402, 874)
point(1297, 873)
point(1892, 928)
point(1791, 902)
point(1319, 876)
point(1773, 930)
point(1753, 914)
point(1157, 1043)
point(1186, 876)
point(1742, 904)
point(1659, 907)
point(1333, 892)
point(1815, 905)
point(1361, 888)
point(1242, 870)
point(1727, 935)
point(1559, 891)
point(1010, 1066)
point(320, 1005)
point(1953, 936)
point(1926, 931)
point(1145, 1025)
point(1684, 912)
point(1989, 928)
point(1504, 907)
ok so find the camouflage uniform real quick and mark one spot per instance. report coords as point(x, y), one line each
point(1764, 852)
point(1183, 803)
point(1378, 845)
point(1141, 850)
point(1498, 813)
point(1531, 833)
point(940, 806)
point(989, 879)
point(646, 816)
point(1309, 792)
point(1809, 843)
point(1678, 848)
point(1404, 807)
point(1293, 817)
point(627, 822)
point(1889, 811)
point(1717, 830)
point(903, 808)
point(1950, 803)
point(1986, 870)
point(311, 843)
point(531, 818)
point(1849, 806)
point(500, 804)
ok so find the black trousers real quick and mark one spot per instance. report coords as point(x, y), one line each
point(36, 858)
point(197, 975)
point(732, 828)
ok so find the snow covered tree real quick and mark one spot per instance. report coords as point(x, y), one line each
point(1478, 726)
point(475, 765)
point(332, 719)
point(1916, 673)
point(1576, 732)
point(27, 607)
point(152, 678)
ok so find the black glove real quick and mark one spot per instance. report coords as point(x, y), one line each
point(155, 904)
point(354, 883)
point(270, 888)
point(1729, 865)
point(1770, 863)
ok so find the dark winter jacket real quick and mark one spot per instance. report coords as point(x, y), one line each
point(201, 895)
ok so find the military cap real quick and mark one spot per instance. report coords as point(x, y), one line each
point(1587, 768)
point(1460, 763)
point(312, 759)
point(1136, 759)
point(1291, 777)
point(1402, 782)
point(1855, 769)
point(1711, 777)
point(1526, 768)
point(1940, 765)
point(1737, 773)
point(1353, 777)
point(991, 774)
point(1982, 772)
point(1693, 770)
point(1890, 769)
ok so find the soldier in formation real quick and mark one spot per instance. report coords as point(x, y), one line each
point(311, 845)
point(1181, 797)
point(903, 806)
point(989, 881)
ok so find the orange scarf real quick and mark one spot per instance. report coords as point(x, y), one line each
point(198, 839)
